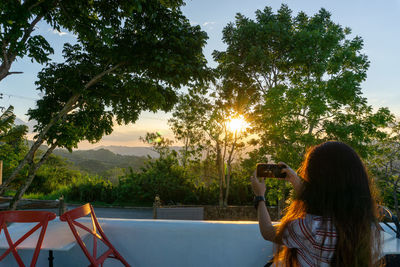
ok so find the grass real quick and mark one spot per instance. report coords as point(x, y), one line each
point(41, 196)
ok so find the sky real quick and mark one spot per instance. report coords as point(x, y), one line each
point(377, 22)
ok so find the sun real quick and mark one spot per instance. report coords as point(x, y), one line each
point(237, 124)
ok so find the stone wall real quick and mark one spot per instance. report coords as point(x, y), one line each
point(236, 213)
point(212, 213)
point(179, 213)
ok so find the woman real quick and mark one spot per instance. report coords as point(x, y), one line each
point(332, 220)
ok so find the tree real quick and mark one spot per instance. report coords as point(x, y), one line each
point(302, 77)
point(163, 176)
point(12, 143)
point(160, 144)
point(203, 122)
point(186, 121)
point(153, 52)
point(53, 175)
point(9, 133)
point(86, 19)
point(385, 165)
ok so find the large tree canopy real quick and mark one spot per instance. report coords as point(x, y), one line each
point(137, 64)
point(301, 75)
point(150, 56)
point(88, 20)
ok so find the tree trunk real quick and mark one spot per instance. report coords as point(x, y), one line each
point(185, 153)
point(229, 170)
point(221, 175)
point(228, 180)
point(3, 71)
point(31, 175)
point(6, 65)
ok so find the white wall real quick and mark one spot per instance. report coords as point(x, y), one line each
point(178, 243)
point(174, 243)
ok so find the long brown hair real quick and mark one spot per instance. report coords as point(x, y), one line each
point(336, 186)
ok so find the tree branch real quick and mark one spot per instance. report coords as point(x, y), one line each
point(14, 72)
point(260, 84)
point(99, 76)
point(36, 4)
point(28, 32)
point(267, 81)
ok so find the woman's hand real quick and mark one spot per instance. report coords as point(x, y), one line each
point(292, 177)
point(258, 187)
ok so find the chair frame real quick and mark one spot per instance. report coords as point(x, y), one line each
point(97, 233)
point(21, 216)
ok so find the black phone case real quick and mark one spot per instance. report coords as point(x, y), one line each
point(270, 170)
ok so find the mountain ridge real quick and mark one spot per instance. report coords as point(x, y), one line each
point(101, 160)
point(139, 151)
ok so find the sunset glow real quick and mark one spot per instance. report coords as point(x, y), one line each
point(237, 124)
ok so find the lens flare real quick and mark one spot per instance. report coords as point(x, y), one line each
point(237, 124)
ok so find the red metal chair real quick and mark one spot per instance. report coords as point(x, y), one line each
point(71, 216)
point(20, 216)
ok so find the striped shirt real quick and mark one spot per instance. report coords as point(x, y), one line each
point(315, 243)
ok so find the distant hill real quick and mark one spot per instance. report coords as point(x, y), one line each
point(101, 160)
point(106, 158)
point(30, 124)
point(134, 150)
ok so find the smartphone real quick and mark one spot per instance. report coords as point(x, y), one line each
point(270, 170)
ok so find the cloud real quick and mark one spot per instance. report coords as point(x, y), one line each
point(60, 33)
point(208, 23)
point(128, 135)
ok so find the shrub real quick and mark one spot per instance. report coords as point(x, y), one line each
point(163, 177)
point(90, 189)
